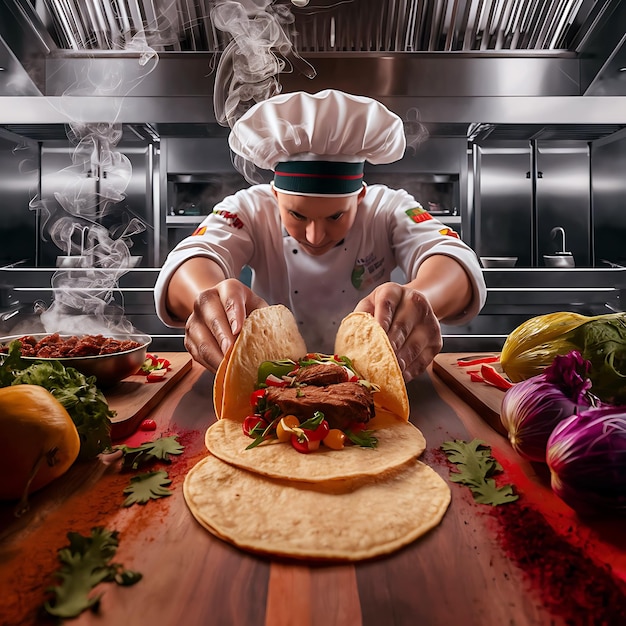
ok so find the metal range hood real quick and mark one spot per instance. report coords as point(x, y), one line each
point(507, 69)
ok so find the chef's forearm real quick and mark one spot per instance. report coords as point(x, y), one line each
point(192, 278)
point(446, 285)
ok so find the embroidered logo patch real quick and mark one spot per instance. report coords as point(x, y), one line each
point(418, 214)
point(449, 232)
point(199, 231)
point(367, 271)
point(231, 218)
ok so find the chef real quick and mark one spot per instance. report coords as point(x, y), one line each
point(318, 239)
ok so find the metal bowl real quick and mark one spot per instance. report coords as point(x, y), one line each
point(560, 259)
point(107, 368)
point(498, 261)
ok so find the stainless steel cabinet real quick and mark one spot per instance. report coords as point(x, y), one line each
point(77, 196)
point(609, 201)
point(522, 191)
point(19, 176)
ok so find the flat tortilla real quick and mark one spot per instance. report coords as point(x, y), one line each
point(348, 520)
point(398, 442)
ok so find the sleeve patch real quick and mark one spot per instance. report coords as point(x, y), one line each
point(232, 218)
point(449, 232)
point(199, 231)
point(418, 214)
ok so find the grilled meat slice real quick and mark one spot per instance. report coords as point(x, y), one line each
point(342, 404)
point(321, 375)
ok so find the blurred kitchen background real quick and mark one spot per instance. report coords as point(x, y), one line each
point(524, 102)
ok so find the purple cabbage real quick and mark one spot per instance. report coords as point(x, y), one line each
point(532, 408)
point(586, 454)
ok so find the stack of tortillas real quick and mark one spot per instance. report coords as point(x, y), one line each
point(348, 504)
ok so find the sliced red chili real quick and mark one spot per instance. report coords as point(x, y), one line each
point(477, 360)
point(493, 377)
point(475, 377)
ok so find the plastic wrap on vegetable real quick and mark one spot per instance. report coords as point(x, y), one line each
point(532, 346)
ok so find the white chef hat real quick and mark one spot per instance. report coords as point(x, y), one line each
point(317, 144)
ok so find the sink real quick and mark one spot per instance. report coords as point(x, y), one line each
point(560, 259)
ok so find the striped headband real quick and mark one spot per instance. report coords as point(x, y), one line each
point(319, 178)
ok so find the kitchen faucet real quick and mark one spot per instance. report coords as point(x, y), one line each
point(554, 232)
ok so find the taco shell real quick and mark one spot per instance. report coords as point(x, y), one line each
point(271, 334)
point(363, 339)
point(268, 334)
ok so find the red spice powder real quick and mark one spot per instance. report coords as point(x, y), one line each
point(30, 562)
point(569, 583)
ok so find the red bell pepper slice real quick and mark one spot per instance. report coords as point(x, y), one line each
point(478, 360)
point(492, 377)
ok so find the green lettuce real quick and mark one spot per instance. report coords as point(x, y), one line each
point(78, 393)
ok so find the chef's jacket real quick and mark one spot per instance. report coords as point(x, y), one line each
point(391, 230)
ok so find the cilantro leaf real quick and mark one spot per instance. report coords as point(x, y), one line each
point(85, 564)
point(159, 449)
point(476, 468)
point(363, 438)
point(144, 487)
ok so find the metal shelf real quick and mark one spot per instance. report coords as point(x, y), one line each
point(184, 220)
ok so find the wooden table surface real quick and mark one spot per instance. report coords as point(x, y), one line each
point(471, 570)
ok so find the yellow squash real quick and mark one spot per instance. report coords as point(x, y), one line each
point(39, 441)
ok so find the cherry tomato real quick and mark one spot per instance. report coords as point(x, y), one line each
point(335, 439)
point(318, 433)
point(288, 421)
point(148, 425)
point(253, 425)
point(303, 445)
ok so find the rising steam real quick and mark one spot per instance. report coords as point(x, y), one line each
point(96, 182)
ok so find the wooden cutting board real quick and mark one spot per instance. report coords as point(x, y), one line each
point(485, 399)
point(133, 398)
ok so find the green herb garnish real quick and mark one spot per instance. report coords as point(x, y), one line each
point(157, 450)
point(476, 467)
point(85, 563)
point(145, 487)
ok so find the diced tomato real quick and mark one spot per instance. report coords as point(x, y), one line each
point(148, 425)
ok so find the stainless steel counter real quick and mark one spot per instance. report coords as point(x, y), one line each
point(513, 296)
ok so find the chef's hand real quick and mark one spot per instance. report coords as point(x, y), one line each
point(410, 323)
point(217, 317)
